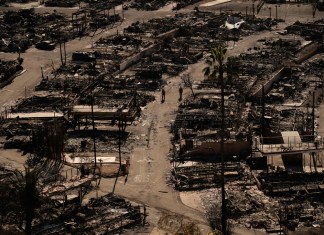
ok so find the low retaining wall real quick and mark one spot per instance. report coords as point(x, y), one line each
point(267, 85)
point(132, 60)
point(147, 51)
point(306, 52)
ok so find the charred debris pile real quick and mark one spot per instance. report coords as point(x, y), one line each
point(81, 91)
point(9, 69)
point(110, 82)
point(153, 5)
point(62, 209)
point(66, 3)
point(310, 31)
point(271, 95)
point(197, 125)
point(108, 214)
point(92, 4)
point(24, 28)
point(150, 5)
point(196, 129)
point(182, 40)
point(264, 98)
point(287, 152)
point(271, 116)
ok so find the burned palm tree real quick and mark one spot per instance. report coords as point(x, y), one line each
point(29, 196)
point(47, 147)
point(20, 198)
point(215, 70)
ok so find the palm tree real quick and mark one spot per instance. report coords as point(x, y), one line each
point(20, 197)
point(29, 196)
point(215, 70)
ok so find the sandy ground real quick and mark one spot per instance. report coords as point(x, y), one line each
point(12, 158)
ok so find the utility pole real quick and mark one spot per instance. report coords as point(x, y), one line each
point(123, 10)
point(121, 128)
point(93, 136)
point(262, 112)
point(64, 38)
point(114, 16)
point(313, 117)
point(61, 52)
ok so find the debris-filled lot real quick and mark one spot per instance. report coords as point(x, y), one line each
point(24, 28)
point(280, 88)
point(64, 213)
point(88, 113)
point(9, 69)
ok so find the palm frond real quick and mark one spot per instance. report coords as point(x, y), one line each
point(215, 63)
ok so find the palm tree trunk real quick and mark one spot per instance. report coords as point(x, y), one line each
point(64, 52)
point(224, 213)
point(29, 219)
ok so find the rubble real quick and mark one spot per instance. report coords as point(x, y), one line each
point(153, 5)
point(107, 214)
point(66, 3)
point(148, 5)
point(63, 212)
point(310, 31)
point(101, 92)
point(201, 176)
point(9, 69)
point(30, 29)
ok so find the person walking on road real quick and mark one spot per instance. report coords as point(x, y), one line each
point(180, 92)
point(163, 95)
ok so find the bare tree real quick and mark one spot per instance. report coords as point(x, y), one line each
point(187, 81)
